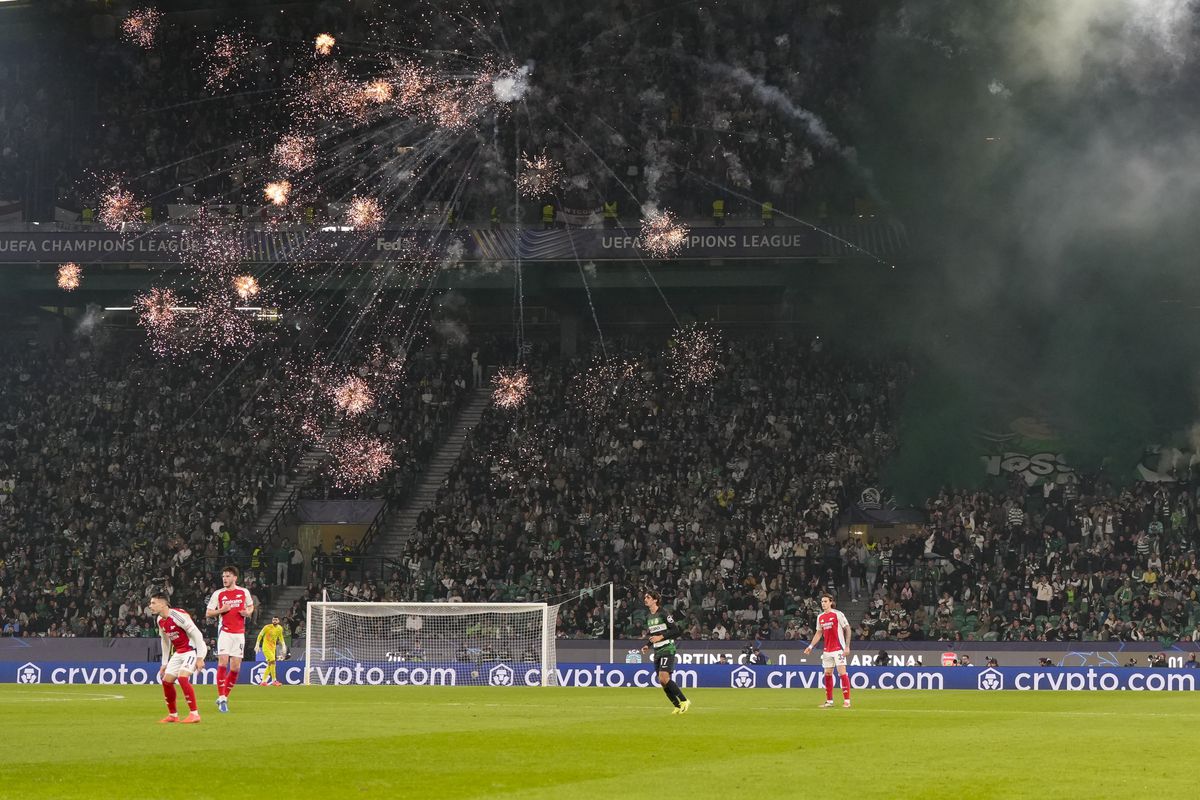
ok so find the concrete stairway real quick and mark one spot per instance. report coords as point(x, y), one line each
point(305, 467)
point(391, 541)
point(854, 611)
point(280, 603)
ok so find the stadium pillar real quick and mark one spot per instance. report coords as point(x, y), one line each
point(610, 622)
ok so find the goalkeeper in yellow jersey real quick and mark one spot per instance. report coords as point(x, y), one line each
point(270, 641)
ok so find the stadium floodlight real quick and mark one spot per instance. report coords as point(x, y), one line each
point(471, 644)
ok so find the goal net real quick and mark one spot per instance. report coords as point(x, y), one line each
point(422, 644)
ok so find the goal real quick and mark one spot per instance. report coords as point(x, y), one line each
point(463, 644)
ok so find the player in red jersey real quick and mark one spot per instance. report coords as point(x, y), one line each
point(183, 654)
point(835, 629)
point(232, 604)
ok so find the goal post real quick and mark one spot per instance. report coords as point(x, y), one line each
point(463, 644)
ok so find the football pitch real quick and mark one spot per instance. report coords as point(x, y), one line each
point(441, 742)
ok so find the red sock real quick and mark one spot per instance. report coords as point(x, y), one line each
point(189, 693)
point(828, 687)
point(845, 687)
point(230, 680)
point(220, 681)
point(169, 693)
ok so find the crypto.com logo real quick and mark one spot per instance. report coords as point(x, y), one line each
point(743, 678)
point(500, 675)
point(29, 672)
point(990, 679)
point(257, 672)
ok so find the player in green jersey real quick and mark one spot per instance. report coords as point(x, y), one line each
point(663, 630)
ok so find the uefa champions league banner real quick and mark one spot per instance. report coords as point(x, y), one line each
point(167, 246)
point(717, 676)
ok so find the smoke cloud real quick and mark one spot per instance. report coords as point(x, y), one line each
point(512, 86)
point(1047, 178)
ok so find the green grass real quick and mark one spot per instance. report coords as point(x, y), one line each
point(336, 742)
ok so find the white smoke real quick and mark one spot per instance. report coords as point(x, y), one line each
point(451, 332)
point(509, 87)
point(453, 256)
point(999, 89)
point(652, 97)
point(89, 323)
point(736, 171)
point(657, 166)
point(773, 96)
point(1072, 40)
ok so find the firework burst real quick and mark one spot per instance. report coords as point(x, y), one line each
point(378, 91)
point(68, 276)
point(213, 249)
point(510, 387)
point(141, 26)
point(323, 92)
point(694, 356)
point(353, 396)
point(357, 459)
point(217, 327)
point(246, 286)
point(384, 370)
point(295, 152)
point(156, 313)
point(607, 384)
point(323, 44)
point(230, 55)
point(455, 107)
point(540, 175)
point(410, 83)
point(663, 236)
point(277, 192)
point(118, 207)
point(364, 214)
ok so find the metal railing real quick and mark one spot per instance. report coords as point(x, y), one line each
point(374, 528)
point(272, 528)
point(353, 566)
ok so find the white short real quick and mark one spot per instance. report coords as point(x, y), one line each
point(181, 662)
point(834, 658)
point(231, 644)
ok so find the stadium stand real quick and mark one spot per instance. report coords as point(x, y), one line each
point(122, 475)
point(436, 384)
point(674, 145)
point(694, 492)
point(1080, 561)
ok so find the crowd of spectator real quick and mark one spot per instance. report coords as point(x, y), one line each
point(682, 126)
point(724, 497)
point(119, 475)
point(32, 131)
point(123, 474)
point(1082, 560)
point(731, 498)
